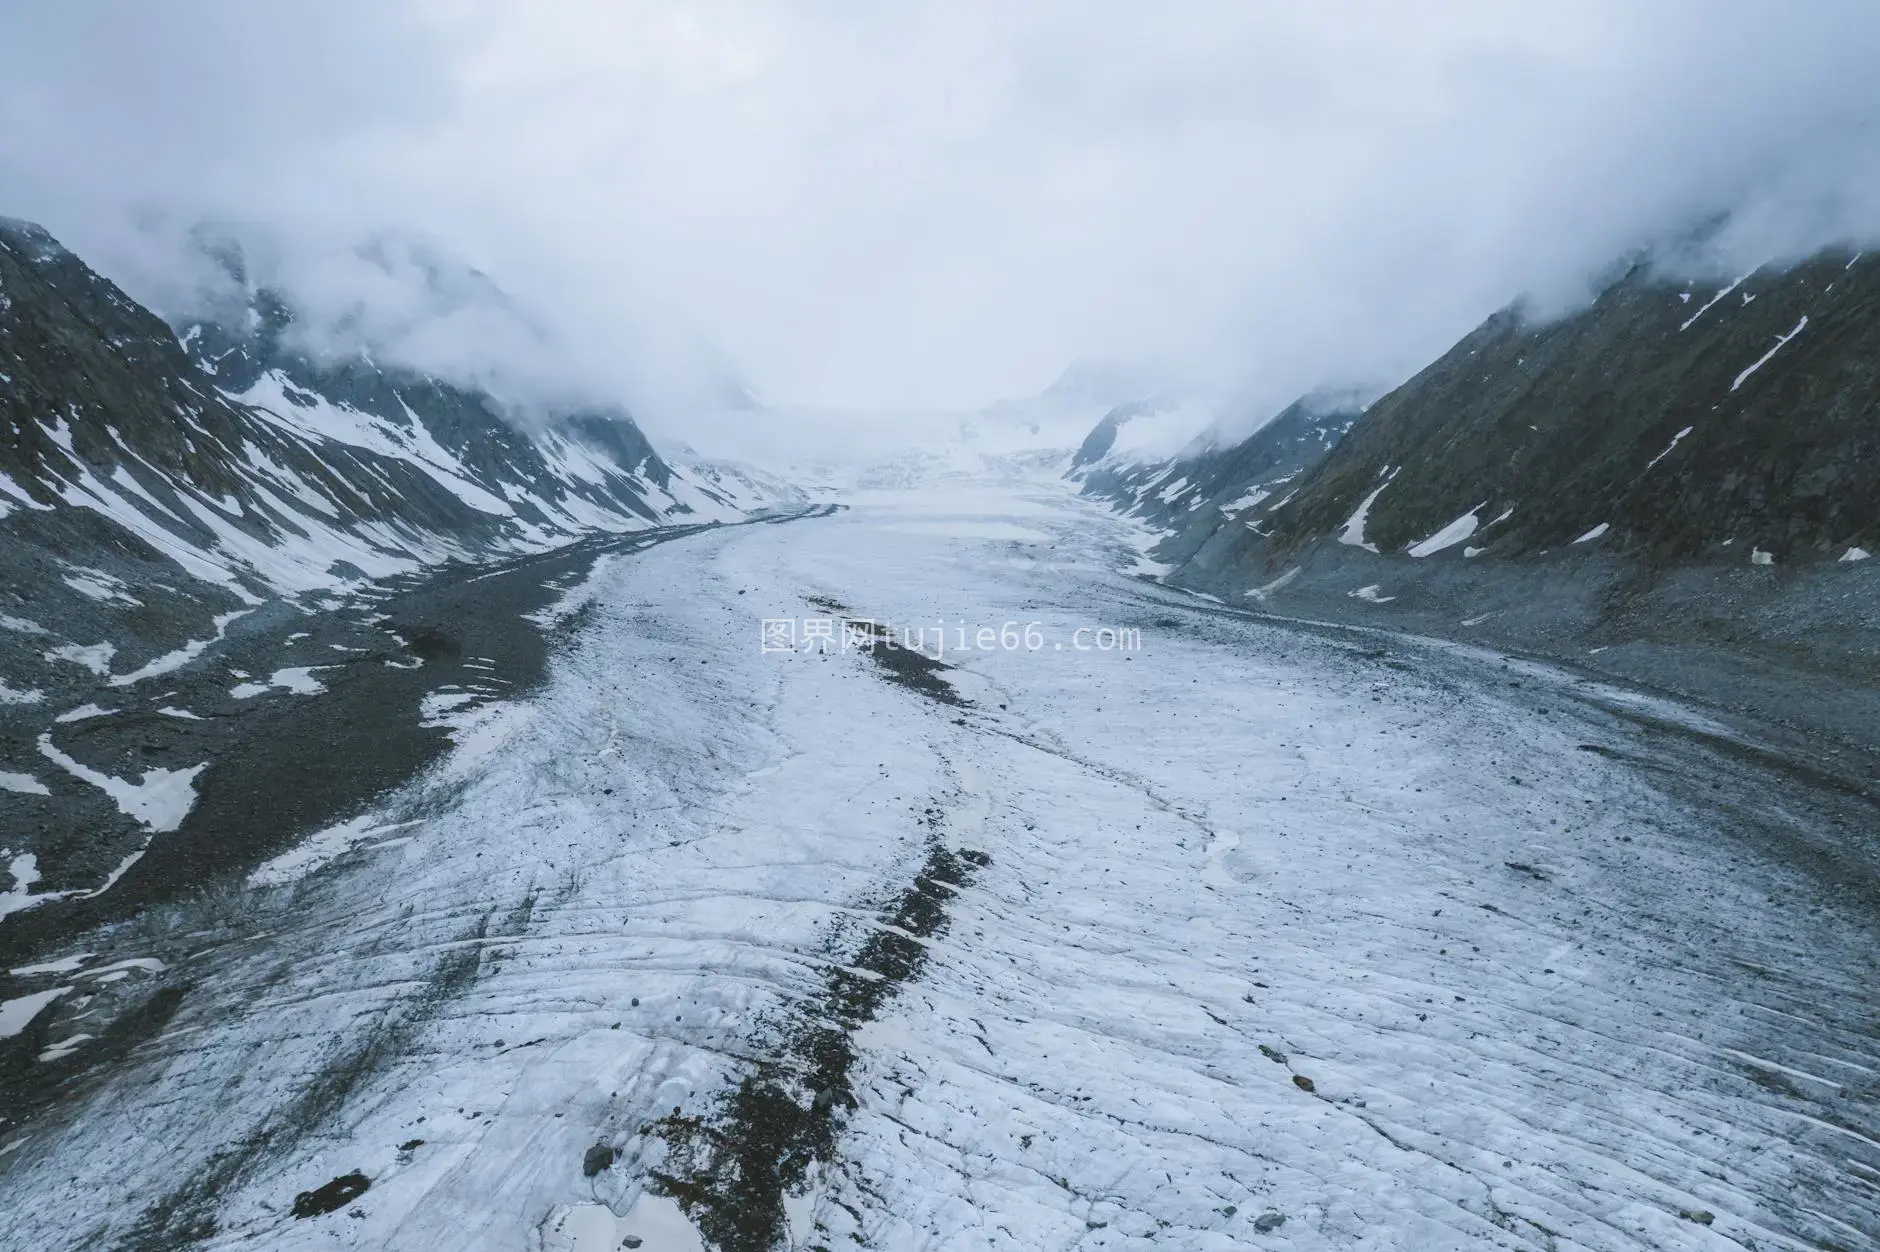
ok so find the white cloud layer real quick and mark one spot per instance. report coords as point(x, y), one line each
point(940, 202)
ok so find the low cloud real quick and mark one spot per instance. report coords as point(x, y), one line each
point(935, 204)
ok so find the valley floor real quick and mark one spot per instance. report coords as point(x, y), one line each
point(1247, 936)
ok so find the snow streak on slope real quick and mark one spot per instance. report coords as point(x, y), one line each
point(591, 492)
point(1279, 940)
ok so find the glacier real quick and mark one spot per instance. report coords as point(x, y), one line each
point(1266, 934)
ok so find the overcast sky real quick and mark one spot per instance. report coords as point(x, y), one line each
point(937, 204)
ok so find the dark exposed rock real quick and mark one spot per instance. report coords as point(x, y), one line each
point(333, 1195)
point(597, 1158)
point(731, 1167)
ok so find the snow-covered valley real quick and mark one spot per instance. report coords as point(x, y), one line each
point(1237, 932)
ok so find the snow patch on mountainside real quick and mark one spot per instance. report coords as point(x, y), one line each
point(160, 800)
point(1449, 536)
point(1353, 532)
point(313, 416)
point(1781, 342)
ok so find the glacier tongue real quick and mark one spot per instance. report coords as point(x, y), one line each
point(1282, 937)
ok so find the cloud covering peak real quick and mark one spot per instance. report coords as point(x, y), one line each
point(939, 203)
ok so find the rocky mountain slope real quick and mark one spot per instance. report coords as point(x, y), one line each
point(1213, 480)
point(1692, 421)
point(549, 473)
point(149, 486)
point(185, 510)
point(1679, 481)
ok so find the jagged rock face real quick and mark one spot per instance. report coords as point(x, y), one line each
point(141, 502)
point(138, 503)
point(1211, 484)
point(158, 532)
point(1102, 436)
point(104, 408)
point(1678, 416)
point(91, 378)
point(235, 440)
point(598, 456)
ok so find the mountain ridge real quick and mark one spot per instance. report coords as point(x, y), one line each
point(155, 481)
point(204, 526)
point(1678, 484)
